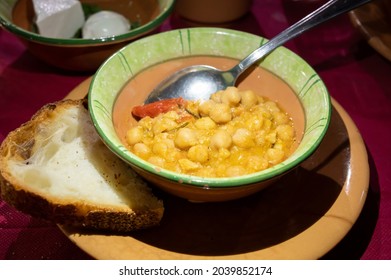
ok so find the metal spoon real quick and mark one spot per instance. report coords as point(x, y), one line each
point(200, 81)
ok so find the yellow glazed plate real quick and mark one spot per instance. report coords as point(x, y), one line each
point(303, 216)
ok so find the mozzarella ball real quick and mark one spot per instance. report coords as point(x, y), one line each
point(105, 24)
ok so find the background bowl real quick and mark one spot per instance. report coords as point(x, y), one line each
point(373, 20)
point(78, 54)
point(216, 11)
point(114, 74)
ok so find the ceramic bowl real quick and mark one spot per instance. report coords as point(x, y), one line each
point(309, 104)
point(373, 20)
point(76, 54)
point(214, 12)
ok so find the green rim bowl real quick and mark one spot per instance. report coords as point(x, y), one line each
point(137, 56)
point(76, 53)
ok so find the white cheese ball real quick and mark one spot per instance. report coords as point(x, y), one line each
point(105, 24)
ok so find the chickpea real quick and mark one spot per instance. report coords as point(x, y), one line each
point(224, 153)
point(272, 106)
point(237, 111)
point(173, 155)
point(265, 113)
point(168, 141)
point(274, 156)
point(280, 118)
point(285, 132)
point(254, 122)
point(216, 97)
point(260, 138)
point(260, 99)
point(230, 128)
point(205, 123)
point(279, 146)
point(185, 138)
point(243, 138)
point(165, 124)
point(205, 107)
point(221, 169)
point(257, 163)
point(188, 165)
point(236, 170)
point(249, 98)
point(198, 153)
point(221, 113)
point(156, 160)
point(221, 139)
point(146, 123)
point(206, 172)
point(171, 115)
point(267, 125)
point(141, 150)
point(170, 144)
point(160, 149)
point(231, 96)
point(134, 135)
point(271, 137)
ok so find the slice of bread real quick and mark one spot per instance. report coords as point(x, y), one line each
point(56, 167)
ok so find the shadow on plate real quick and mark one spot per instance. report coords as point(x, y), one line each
point(355, 243)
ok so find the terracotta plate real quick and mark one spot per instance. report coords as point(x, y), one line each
point(374, 22)
point(302, 216)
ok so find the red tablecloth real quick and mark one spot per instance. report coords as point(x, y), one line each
point(356, 76)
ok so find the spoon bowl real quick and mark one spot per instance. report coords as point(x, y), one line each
point(200, 81)
point(193, 82)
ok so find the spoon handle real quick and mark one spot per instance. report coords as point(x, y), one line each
point(328, 11)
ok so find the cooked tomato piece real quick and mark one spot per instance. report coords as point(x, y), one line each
point(154, 109)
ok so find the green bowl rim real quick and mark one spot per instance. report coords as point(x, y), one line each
point(204, 182)
point(31, 36)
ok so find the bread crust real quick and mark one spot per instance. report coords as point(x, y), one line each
point(18, 146)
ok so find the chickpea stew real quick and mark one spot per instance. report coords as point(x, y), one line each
point(236, 132)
